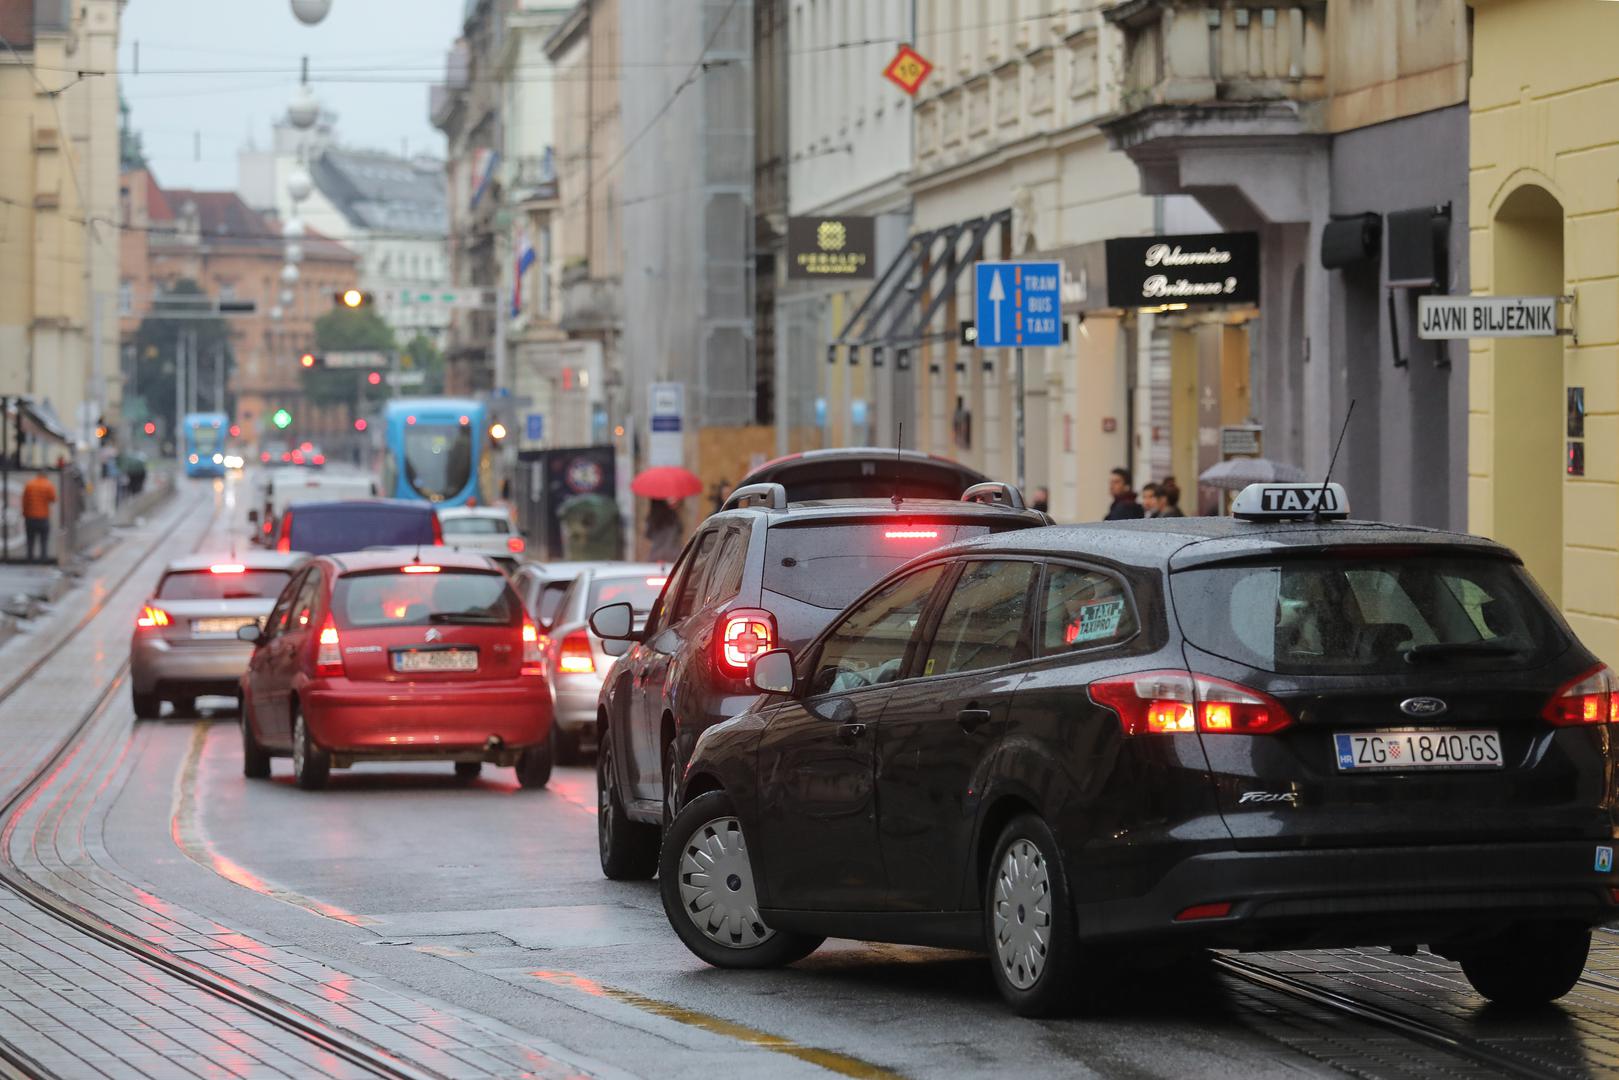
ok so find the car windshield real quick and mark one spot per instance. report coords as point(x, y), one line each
point(397, 598)
point(438, 459)
point(207, 585)
point(205, 437)
point(324, 531)
point(829, 565)
point(640, 591)
point(1368, 615)
point(475, 526)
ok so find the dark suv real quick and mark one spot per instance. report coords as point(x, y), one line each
point(758, 575)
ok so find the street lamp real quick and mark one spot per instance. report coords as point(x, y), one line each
point(289, 274)
point(310, 12)
point(299, 185)
point(295, 252)
point(305, 108)
point(293, 229)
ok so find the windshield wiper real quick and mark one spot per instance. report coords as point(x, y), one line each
point(1439, 649)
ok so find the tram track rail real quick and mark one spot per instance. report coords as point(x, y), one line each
point(362, 1055)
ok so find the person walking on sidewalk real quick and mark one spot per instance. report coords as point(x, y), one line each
point(37, 496)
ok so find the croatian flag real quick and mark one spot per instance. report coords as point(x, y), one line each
point(525, 259)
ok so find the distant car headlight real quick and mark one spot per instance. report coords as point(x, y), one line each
point(219, 459)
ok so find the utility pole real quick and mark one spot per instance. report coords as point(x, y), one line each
point(179, 388)
point(1018, 404)
point(219, 376)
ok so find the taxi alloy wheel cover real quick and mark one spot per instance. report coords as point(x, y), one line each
point(716, 886)
point(1022, 914)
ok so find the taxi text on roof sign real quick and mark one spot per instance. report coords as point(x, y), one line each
point(1281, 502)
point(908, 70)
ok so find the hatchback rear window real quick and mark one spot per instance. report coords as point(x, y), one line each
point(398, 598)
point(325, 531)
point(207, 585)
point(474, 526)
point(830, 565)
point(1368, 616)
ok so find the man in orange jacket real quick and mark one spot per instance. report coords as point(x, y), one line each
point(37, 497)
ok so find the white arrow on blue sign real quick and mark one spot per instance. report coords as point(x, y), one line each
point(1019, 304)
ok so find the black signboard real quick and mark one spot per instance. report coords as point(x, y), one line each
point(819, 248)
point(1211, 268)
point(566, 501)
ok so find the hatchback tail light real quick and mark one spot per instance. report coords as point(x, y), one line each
point(574, 656)
point(531, 649)
point(152, 617)
point(1165, 702)
point(438, 532)
point(514, 544)
point(743, 636)
point(329, 657)
point(285, 542)
point(1593, 698)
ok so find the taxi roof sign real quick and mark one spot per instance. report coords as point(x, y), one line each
point(1291, 502)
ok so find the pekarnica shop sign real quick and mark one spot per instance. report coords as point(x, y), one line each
point(1209, 268)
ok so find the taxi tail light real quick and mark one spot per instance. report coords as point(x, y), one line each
point(329, 655)
point(1593, 698)
point(514, 544)
point(531, 649)
point(1167, 702)
point(151, 617)
point(743, 636)
point(574, 656)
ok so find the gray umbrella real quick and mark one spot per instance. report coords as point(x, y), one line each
point(1238, 473)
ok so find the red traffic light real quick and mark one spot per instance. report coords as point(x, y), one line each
point(150, 428)
point(236, 431)
point(375, 378)
point(359, 425)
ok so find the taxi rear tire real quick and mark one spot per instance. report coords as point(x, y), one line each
point(534, 764)
point(1029, 927)
point(628, 849)
point(1528, 966)
point(147, 706)
point(310, 764)
point(719, 920)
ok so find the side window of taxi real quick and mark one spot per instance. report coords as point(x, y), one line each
point(982, 625)
point(1082, 609)
point(868, 647)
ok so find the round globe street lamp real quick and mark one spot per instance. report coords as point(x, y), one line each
point(295, 252)
point(289, 274)
point(310, 12)
point(299, 185)
point(276, 313)
point(287, 297)
point(293, 229)
point(305, 108)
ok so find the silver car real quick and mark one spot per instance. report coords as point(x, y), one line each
point(542, 584)
point(575, 659)
point(185, 643)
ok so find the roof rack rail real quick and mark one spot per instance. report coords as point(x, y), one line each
point(774, 496)
point(995, 494)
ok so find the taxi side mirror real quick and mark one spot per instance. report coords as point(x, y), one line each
point(773, 672)
point(615, 622)
point(250, 633)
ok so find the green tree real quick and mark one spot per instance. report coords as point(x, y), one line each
point(343, 330)
point(157, 349)
point(422, 355)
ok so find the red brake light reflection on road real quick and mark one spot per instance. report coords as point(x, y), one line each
point(575, 658)
point(227, 568)
point(911, 534)
point(1593, 698)
point(420, 568)
point(152, 616)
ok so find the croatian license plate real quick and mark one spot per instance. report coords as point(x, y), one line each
point(220, 626)
point(414, 660)
point(1447, 749)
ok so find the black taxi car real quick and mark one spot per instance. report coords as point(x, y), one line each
point(1073, 744)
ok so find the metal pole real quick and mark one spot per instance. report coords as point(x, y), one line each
point(5, 479)
point(1017, 411)
point(179, 390)
point(219, 376)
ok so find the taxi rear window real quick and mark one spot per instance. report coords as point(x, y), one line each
point(401, 598)
point(208, 585)
point(1368, 615)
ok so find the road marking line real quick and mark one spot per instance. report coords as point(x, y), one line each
point(186, 829)
point(831, 1060)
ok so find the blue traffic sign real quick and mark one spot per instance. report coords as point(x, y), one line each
point(535, 427)
point(1019, 304)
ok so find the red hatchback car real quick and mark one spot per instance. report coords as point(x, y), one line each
point(397, 655)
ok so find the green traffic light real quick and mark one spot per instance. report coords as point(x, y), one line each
point(281, 418)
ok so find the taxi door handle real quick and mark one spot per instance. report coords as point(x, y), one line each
point(971, 720)
point(850, 732)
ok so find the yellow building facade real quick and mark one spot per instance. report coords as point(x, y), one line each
point(1544, 193)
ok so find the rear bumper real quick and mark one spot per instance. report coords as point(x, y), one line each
point(195, 667)
point(576, 702)
point(488, 721)
point(1363, 896)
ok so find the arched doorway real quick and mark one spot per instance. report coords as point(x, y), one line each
point(1528, 406)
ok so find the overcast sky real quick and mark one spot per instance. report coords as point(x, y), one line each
point(224, 69)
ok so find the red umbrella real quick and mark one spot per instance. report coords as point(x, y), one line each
point(667, 482)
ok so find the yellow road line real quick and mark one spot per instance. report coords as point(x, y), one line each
point(831, 1060)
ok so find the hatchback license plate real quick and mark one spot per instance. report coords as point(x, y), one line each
point(220, 626)
point(414, 660)
point(1433, 749)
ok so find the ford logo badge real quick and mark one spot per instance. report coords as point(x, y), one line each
point(1423, 706)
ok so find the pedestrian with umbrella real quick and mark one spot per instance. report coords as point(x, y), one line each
point(665, 485)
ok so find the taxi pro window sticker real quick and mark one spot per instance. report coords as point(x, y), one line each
point(1095, 622)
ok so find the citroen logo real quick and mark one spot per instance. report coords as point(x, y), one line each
point(1423, 706)
point(434, 635)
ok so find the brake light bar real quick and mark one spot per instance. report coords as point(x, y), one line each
point(911, 534)
point(420, 568)
point(1167, 702)
point(657, 582)
point(531, 649)
point(329, 657)
point(227, 568)
point(1593, 698)
point(152, 616)
point(743, 636)
point(575, 658)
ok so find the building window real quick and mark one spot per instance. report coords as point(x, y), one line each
point(126, 298)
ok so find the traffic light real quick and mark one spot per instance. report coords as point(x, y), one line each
point(150, 428)
point(359, 424)
point(281, 418)
point(311, 360)
point(375, 378)
point(352, 299)
point(236, 431)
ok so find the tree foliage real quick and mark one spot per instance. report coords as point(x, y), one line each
point(343, 330)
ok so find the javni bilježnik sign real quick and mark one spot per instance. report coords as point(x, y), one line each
point(1450, 318)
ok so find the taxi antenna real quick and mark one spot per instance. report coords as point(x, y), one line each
point(899, 465)
point(1321, 498)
